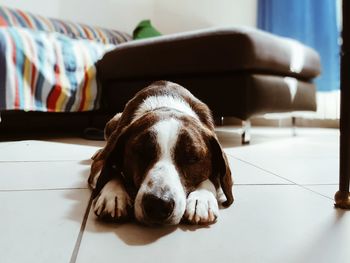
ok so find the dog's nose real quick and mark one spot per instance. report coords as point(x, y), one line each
point(156, 208)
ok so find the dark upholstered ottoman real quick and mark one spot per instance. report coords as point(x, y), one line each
point(240, 72)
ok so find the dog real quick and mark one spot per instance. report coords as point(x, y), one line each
point(162, 163)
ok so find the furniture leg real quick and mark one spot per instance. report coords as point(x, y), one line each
point(294, 126)
point(246, 126)
point(342, 197)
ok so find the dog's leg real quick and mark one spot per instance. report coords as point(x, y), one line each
point(113, 202)
point(202, 205)
point(95, 171)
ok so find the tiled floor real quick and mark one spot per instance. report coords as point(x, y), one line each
point(283, 210)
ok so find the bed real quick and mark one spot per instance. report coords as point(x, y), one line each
point(48, 65)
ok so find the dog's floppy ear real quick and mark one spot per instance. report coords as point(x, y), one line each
point(112, 166)
point(221, 168)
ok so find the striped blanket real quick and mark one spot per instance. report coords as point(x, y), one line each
point(48, 64)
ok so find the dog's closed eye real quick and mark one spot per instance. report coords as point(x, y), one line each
point(193, 159)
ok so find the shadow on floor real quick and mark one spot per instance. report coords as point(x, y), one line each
point(131, 233)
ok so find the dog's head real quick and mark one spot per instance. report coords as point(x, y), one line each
point(164, 156)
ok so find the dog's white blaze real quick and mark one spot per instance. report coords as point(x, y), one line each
point(163, 174)
point(154, 102)
point(167, 134)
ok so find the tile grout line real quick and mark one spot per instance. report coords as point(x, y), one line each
point(285, 184)
point(320, 184)
point(262, 184)
point(260, 168)
point(293, 183)
point(43, 189)
point(75, 252)
point(40, 161)
point(313, 191)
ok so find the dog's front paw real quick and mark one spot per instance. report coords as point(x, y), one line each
point(201, 207)
point(113, 202)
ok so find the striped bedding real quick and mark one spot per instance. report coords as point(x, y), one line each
point(49, 65)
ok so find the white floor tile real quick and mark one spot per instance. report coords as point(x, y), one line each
point(6, 144)
point(44, 175)
point(302, 160)
point(40, 226)
point(75, 140)
point(265, 224)
point(288, 148)
point(46, 151)
point(324, 138)
point(302, 171)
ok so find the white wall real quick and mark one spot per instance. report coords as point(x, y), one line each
point(118, 14)
point(168, 16)
point(183, 15)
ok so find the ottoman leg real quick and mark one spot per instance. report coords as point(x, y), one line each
point(294, 126)
point(246, 126)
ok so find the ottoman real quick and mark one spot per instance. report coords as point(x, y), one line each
point(237, 71)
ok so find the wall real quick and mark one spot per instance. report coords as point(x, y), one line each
point(118, 14)
point(168, 16)
point(182, 15)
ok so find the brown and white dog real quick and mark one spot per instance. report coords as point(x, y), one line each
point(162, 161)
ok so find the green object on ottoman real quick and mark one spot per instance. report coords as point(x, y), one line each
point(145, 30)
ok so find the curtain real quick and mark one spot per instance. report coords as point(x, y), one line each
point(314, 23)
